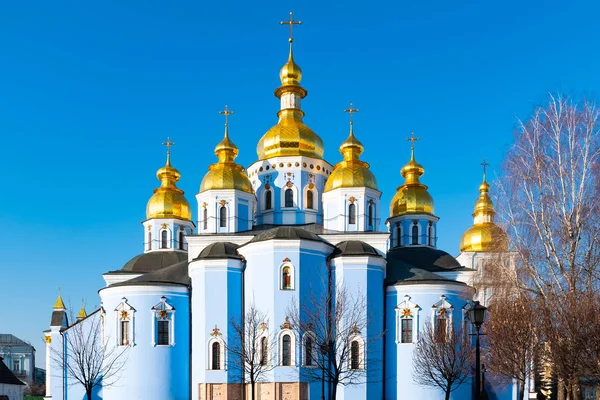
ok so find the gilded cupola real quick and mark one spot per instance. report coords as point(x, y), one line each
point(351, 172)
point(484, 235)
point(168, 200)
point(412, 197)
point(290, 137)
point(225, 173)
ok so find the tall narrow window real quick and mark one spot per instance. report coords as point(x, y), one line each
point(223, 217)
point(124, 333)
point(430, 235)
point(264, 351)
point(308, 351)
point(149, 241)
point(163, 239)
point(286, 278)
point(407, 330)
point(398, 235)
point(205, 216)
point(216, 356)
point(371, 218)
point(415, 234)
point(309, 200)
point(354, 355)
point(163, 333)
point(289, 198)
point(268, 200)
point(352, 214)
point(180, 240)
point(286, 353)
point(441, 330)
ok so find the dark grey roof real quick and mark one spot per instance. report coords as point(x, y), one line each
point(176, 274)
point(8, 339)
point(6, 375)
point(415, 275)
point(420, 260)
point(220, 250)
point(153, 261)
point(57, 318)
point(286, 233)
point(354, 248)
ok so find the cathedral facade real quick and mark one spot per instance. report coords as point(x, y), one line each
point(272, 235)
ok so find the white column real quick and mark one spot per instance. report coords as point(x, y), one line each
point(48, 368)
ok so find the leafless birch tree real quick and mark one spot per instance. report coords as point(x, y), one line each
point(445, 364)
point(88, 360)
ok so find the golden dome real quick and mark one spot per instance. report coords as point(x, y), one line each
point(290, 137)
point(412, 197)
point(351, 172)
point(168, 201)
point(484, 235)
point(226, 174)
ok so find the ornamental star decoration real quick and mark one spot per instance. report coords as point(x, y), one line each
point(162, 314)
point(406, 313)
point(124, 315)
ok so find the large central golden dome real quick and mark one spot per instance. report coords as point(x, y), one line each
point(290, 137)
point(168, 201)
point(412, 197)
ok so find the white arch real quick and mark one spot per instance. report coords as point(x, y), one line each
point(295, 199)
point(292, 276)
point(292, 347)
point(213, 340)
point(314, 352)
point(361, 351)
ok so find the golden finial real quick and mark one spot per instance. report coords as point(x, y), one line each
point(412, 139)
point(484, 164)
point(227, 112)
point(59, 302)
point(168, 143)
point(351, 111)
point(291, 23)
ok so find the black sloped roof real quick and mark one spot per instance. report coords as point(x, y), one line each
point(220, 250)
point(153, 261)
point(6, 375)
point(353, 248)
point(175, 275)
point(286, 233)
point(413, 264)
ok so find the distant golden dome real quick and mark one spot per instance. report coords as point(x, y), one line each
point(168, 201)
point(484, 235)
point(290, 137)
point(412, 197)
point(226, 174)
point(351, 172)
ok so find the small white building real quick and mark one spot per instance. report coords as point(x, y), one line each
point(11, 388)
point(19, 356)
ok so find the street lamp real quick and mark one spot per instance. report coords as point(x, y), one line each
point(477, 316)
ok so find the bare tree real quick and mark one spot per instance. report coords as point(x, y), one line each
point(513, 345)
point(86, 357)
point(549, 201)
point(332, 321)
point(445, 362)
point(249, 347)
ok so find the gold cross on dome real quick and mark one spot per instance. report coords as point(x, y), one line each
point(351, 111)
point(227, 112)
point(168, 143)
point(291, 23)
point(484, 164)
point(412, 139)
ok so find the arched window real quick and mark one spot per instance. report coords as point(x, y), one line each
point(289, 198)
point(216, 356)
point(180, 240)
point(163, 240)
point(398, 234)
point(286, 351)
point(149, 241)
point(415, 234)
point(352, 214)
point(205, 217)
point(223, 217)
point(355, 355)
point(371, 217)
point(286, 278)
point(268, 200)
point(264, 351)
point(124, 332)
point(309, 199)
point(441, 329)
point(308, 351)
point(430, 235)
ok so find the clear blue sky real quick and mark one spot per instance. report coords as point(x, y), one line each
point(89, 90)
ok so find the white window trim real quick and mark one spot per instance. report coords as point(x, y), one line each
point(227, 219)
point(436, 308)
point(169, 239)
point(125, 306)
point(431, 238)
point(264, 334)
point(371, 205)
point(295, 193)
point(419, 233)
point(361, 351)
point(315, 193)
point(263, 205)
point(356, 214)
point(163, 306)
point(292, 348)
point(414, 309)
point(315, 353)
point(292, 276)
point(210, 353)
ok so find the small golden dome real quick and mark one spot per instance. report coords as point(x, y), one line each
point(59, 305)
point(351, 172)
point(484, 235)
point(168, 201)
point(412, 197)
point(226, 174)
point(291, 73)
point(82, 314)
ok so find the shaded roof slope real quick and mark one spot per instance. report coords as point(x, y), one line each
point(286, 233)
point(419, 264)
point(153, 261)
point(351, 248)
point(176, 274)
point(6, 375)
point(219, 250)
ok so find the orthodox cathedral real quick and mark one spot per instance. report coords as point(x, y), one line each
point(268, 235)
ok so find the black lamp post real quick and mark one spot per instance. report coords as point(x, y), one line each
point(477, 316)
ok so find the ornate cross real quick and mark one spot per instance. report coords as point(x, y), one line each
point(485, 164)
point(351, 111)
point(291, 23)
point(412, 139)
point(227, 112)
point(168, 143)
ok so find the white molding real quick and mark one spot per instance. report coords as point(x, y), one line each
point(211, 341)
point(293, 343)
point(414, 309)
